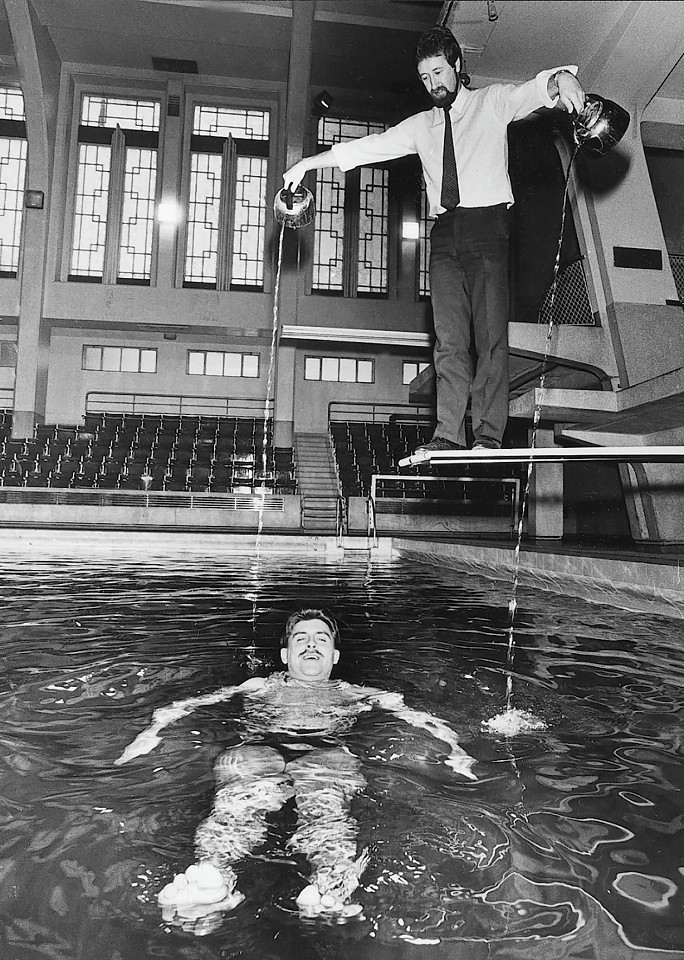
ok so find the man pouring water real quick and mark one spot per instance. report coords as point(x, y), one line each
point(463, 149)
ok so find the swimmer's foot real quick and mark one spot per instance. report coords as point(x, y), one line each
point(329, 893)
point(313, 903)
point(200, 891)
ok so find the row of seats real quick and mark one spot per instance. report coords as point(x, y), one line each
point(364, 449)
point(213, 455)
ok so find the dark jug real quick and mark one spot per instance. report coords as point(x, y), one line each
point(600, 124)
point(294, 208)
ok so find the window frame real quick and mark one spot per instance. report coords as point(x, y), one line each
point(229, 99)
point(16, 130)
point(109, 87)
point(243, 355)
point(321, 360)
point(420, 366)
point(120, 347)
point(351, 216)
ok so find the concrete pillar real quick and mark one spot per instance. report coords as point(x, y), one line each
point(168, 255)
point(39, 70)
point(545, 505)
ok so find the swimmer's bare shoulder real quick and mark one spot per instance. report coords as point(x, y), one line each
point(253, 685)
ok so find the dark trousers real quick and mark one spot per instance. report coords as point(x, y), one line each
point(469, 292)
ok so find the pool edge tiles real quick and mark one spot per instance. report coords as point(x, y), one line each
point(112, 543)
point(631, 584)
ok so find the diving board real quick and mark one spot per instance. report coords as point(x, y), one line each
point(654, 454)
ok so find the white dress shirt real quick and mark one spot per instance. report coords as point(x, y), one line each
point(479, 120)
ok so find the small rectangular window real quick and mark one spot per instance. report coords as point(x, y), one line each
point(212, 363)
point(410, 370)
point(92, 358)
point(195, 363)
point(330, 368)
point(232, 365)
point(119, 359)
point(148, 361)
point(130, 360)
point(250, 365)
point(312, 368)
point(111, 358)
point(347, 370)
point(339, 370)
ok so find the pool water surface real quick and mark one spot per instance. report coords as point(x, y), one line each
point(568, 845)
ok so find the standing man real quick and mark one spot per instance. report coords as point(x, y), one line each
point(463, 148)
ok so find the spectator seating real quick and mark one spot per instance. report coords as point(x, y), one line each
point(148, 452)
point(364, 449)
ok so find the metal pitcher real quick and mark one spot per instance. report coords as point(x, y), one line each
point(600, 124)
point(294, 208)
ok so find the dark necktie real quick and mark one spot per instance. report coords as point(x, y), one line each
point(450, 195)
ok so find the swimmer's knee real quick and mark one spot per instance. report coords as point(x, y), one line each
point(247, 762)
point(329, 765)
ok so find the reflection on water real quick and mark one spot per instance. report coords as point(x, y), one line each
point(568, 846)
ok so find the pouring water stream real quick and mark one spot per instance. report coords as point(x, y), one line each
point(253, 661)
point(513, 720)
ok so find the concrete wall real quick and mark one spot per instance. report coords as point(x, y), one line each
point(78, 516)
point(68, 384)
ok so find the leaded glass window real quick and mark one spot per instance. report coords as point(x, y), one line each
point(351, 226)
point(13, 152)
point(226, 224)
point(116, 190)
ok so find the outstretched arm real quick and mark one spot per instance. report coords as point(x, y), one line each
point(146, 741)
point(293, 177)
point(458, 759)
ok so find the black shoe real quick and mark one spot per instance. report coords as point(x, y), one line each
point(487, 443)
point(438, 445)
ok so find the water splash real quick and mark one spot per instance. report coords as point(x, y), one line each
point(513, 721)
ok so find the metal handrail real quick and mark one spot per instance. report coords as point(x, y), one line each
point(365, 411)
point(102, 401)
point(341, 518)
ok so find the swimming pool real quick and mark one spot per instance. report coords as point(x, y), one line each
point(569, 845)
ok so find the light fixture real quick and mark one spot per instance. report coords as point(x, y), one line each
point(322, 104)
point(34, 199)
point(410, 230)
point(169, 211)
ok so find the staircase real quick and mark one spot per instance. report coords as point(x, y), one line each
point(316, 481)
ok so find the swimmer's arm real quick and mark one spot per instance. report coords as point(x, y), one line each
point(458, 759)
point(146, 741)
